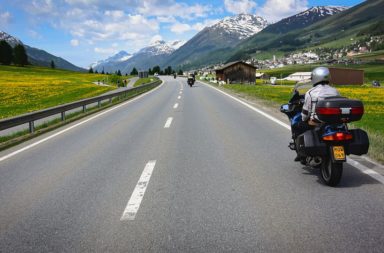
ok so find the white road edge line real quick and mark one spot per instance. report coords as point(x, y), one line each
point(175, 106)
point(74, 126)
point(350, 161)
point(134, 202)
point(168, 123)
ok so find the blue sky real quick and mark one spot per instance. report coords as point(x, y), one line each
point(84, 31)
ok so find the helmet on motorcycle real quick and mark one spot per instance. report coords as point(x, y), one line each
point(320, 75)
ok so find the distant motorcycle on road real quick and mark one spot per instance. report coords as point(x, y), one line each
point(326, 146)
point(191, 80)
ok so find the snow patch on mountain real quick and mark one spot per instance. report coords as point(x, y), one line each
point(244, 25)
point(322, 11)
point(10, 39)
point(119, 57)
point(161, 47)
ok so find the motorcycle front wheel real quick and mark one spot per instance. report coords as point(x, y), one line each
point(331, 172)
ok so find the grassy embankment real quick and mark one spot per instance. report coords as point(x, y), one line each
point(372, 121)
point(31, 88)
point(142, 81)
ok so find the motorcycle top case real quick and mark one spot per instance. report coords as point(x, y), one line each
point(337, 110)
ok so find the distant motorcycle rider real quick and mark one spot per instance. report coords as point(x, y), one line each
point(320, 78)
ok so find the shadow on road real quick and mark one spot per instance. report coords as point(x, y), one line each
point(351, 177)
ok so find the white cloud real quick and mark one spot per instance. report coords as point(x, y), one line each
point(5, 18)
point(180, 28)
point(155, 38)
point(106, 51)
point(75, 43)
point(209, 22)
point(166, 19)
point(171, 8)
point(183, 27)
point(285, 9)
point(114, 14)
point(34, 34)
point(240, 6)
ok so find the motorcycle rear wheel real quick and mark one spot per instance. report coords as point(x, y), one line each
point(331, 172)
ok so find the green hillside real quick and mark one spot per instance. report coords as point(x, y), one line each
point(27, 89)
point(359, 21)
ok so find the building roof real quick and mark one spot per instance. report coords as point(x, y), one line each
point(233, 63)
point(301, 74)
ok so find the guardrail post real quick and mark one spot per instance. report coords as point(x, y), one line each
point(99, 103)
point(84, 108)
point(110, 100)
point(31, 127)
point(62, 116)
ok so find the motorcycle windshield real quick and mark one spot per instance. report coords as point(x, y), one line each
point(303, 87)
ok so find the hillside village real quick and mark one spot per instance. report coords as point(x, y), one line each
point(345, 55)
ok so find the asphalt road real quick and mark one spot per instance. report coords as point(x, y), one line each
point(207, 175)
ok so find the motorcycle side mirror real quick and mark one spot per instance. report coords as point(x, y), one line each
point(284, 108)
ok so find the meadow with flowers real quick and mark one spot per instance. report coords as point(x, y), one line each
point(31, 88)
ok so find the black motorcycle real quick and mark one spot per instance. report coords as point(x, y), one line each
point(326, 146)
point(191, 80)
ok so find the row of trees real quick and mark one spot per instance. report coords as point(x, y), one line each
point(9, 55)
point(135, 72)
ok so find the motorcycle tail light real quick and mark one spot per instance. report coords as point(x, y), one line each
point(357, 110)
point(328, 111)
point(339, 136)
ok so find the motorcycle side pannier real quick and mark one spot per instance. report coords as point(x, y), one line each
point(308, 144)
point(359, 144)
point(337, 110)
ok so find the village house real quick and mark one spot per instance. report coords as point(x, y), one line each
point(236, 72)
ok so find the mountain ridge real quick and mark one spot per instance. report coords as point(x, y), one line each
point(40, 57)
point(223, 35)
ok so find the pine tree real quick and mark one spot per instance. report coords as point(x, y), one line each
point(90, 70)
point(134, 72)
point(118, 72)
point(180, 73)
point(53, 64)
point(6, 53)
point(156, 69)
point(21, 58)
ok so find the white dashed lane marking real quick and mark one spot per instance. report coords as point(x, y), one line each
point(168, 123)
point(138, 193)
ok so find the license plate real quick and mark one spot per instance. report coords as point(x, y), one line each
point(338, 153)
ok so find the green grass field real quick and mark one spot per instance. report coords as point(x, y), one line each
point(31, 88)
point(142, 81)
point(372, 71)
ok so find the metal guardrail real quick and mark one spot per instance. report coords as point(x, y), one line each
point(32, 117)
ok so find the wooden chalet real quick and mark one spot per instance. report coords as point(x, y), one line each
point(236, 72)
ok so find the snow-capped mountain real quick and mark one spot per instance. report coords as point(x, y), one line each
point(10, 39)
point(160, 47)
point(145, 58)
point(39, 57)
point(322, 11)
point(287, 32)
point(117, 58)
point(213, 43)
point(305, 18)
point(244, 25)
